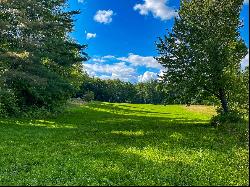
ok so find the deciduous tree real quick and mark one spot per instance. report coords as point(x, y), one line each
point(202, 53)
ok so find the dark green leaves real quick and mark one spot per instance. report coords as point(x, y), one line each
point(203, 52)
point(39, 62)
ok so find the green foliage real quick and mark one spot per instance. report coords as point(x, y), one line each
point(39, 63)
point(123, 92)
point(8, 102)
point(101, 144)
point(149, 92)
point(227, 118)
point(240, 95)
point(203, 52)
point(38, 86)
point(88, 96)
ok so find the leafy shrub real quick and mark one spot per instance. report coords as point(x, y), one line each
point(225, 118)
point(8, 103)
point(88, 96)
point(38, 112)
point(35, 89)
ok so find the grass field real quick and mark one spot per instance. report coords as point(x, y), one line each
point(122, 144)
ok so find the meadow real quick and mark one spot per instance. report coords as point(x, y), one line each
point(123, 144)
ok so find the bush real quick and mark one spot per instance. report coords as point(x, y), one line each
point(88, 96)
point(43, 112)
point(225, 118)
point(34, 92)
point(8, 103)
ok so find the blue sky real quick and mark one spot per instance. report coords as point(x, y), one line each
point(121, 35)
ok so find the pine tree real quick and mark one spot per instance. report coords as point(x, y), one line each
point(39, 62)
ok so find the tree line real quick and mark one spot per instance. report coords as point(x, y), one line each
point(150, 92)
point(121, 92)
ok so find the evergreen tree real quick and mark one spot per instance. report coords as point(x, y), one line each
point(39, 63)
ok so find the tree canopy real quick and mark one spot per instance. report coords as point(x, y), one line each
point(150, 92)
point(202, 53)
point(40, 65)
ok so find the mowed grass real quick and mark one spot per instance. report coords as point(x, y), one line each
point(122, 144)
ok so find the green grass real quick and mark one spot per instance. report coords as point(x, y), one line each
point(122, 144)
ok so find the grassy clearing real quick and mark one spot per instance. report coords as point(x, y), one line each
point(122, 144)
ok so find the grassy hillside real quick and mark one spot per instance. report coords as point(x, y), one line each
point(122, 144)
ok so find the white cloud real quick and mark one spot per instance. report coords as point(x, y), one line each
point(147, 76)
point(99, 60)
point(90, 72)
point(161, 73)
point(158, 8)
point(137, 60)
point(104, 77)
point(109, 56)
point(245, 61)
point(103, 58)
point(246, 2)
point(90, 35)
point(112, 71)
point(123, 68)
point(104, 16)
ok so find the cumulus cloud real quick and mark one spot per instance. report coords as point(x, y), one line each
point(99, 60)
point(158, 8)
point(137, 60)
point(109, 56)
point(103, 58)
point(245, 61)
point(112, 71)
point(246, 2)
point(161, 73)
point(90, 35)
point(147, 76)
point(123, 68)
point(104, 16)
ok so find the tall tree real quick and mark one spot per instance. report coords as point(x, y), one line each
point(203, 52)
point(39, 62)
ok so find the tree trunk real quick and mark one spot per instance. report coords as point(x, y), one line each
point(223, 100)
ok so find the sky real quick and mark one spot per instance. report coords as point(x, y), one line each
point(121, 35)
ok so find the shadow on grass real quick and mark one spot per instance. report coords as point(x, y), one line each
point(134, 130)
point(103, 145)
point(124, 108)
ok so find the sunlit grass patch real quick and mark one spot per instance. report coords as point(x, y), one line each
point(157, 155)
point(202, 109)
point(128, 133)
point(51, 124)
point(121, 144)
point(176, 136)
point(38, 123)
